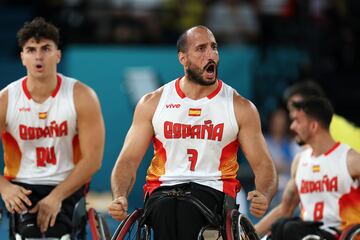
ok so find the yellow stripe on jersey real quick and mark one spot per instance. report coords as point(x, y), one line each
point(12, 156)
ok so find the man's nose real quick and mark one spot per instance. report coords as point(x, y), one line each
point(211, 54)
point(292, 126)
point(39, 55)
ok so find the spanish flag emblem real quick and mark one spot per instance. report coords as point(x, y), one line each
point(42, 115)
point(316, 168)
point(194, 112)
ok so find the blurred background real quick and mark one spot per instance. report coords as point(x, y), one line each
point(125, 48)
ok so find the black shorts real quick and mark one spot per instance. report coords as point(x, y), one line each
point(171, 218)
point(39, 192)
point(297, 229)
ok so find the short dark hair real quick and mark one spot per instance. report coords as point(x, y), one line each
point(318, 108)
point(181, 43)
point(38, 29)
point(304, 89)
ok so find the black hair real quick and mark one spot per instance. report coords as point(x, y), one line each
point(304, 89)
point(181, 43)
point(318, 108)
point(38, 29)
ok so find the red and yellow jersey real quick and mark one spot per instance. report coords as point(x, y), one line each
point(327, 191)
point(195, 140)
point(40, 141)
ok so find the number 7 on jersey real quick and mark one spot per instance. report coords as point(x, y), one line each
point(193, 155)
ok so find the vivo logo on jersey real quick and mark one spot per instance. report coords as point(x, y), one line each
point(24, 109)
point(54, 130)
point(204, 131)
point(171, 105)
point(323, 185)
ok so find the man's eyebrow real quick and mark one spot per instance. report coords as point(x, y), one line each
point(46, 45)
point(29, 47)
point(201, 45)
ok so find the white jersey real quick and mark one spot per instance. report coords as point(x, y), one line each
point(327, 191)
point(195, 140)
point(41, 144)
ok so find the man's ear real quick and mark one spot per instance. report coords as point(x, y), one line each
point(58, 56)
point(182, 58)
point(314, 126)
point(22, 58)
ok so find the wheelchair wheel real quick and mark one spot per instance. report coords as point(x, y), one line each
point(239, 227)
point(98, 226)
point(352, 232)
point(130, 228)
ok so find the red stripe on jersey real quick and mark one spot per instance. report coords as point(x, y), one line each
point(53, 94)
point(56, 90)
point(156, 168)
point(26, 91)
point(210, 96)
point(217, 90)
point(332, 149)
point(178, 89)
point(229, 167)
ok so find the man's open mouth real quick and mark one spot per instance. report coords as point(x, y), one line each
point(39, 66)
point(210, 67)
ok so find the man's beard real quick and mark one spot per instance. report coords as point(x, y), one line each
point(195, 75)
point(300, 142)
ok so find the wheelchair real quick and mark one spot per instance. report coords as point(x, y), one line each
point(232, 225)
point(351, 232)
point(98, 227)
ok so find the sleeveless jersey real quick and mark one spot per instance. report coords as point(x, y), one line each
point(40, 142)
point(195, 140)
point(327, 191)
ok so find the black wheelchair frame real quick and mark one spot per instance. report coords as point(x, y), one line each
point(351, 232)
point(232, 225)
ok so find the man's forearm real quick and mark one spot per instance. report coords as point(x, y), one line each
point(266, 180)
point(122, 181)
point(80, 175)
point(3, 182)
point(264, 226)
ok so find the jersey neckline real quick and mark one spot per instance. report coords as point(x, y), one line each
point(332, 149)
point(53, 94)
point(210, 96)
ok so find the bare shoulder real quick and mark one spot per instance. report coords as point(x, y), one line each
point(82, 92)
point(86, 103)
point(3, 107)
point(148, 103)
point(243, 103)
point(244, 108)
point(353, 161)
point(4, 96)
point(295, 164)
point(296, 160)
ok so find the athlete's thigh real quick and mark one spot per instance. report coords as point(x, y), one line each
point(189, 220)
point(162, 218)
